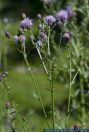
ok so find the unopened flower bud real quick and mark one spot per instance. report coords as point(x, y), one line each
point(39, 16)
point(40, 27)
point(23, 15)
point(8, 105)
point(42, 36)
point(67, 35)
point(8, 35)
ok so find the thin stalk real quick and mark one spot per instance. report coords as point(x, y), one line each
point(74, 78)
point(51, 80)
point(42, 60)
point(29, 70)
point(5, 58)
point(0, 61)
point(52, 98)
point(48, 41)
point(70, 88)
point(8, 95)
point(82, 99)
point(53, 27)
point(39, 53)
point(60, 39)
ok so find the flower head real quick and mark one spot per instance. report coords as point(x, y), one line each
point(49, 19)
point(42, 36)
point(62, 16)
point(39, 16)
point(8, 105)
point(67, 35)
point(70, 12)
point(26, 23)
point(20, 38)
point(16, 38)
point(23, 15)
point(8, 35)
point(40, 27)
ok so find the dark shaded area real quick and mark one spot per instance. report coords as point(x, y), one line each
point(15, 8)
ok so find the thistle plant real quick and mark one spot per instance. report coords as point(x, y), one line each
point(44, 42)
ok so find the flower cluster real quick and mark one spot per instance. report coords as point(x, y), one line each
point(60, 16)
point(50, 20)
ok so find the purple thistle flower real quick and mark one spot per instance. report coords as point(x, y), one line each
point(62, 16)
point(42, 36)
point(67, 35)
point(70, 12)
point(26, 23)
point(16, 38)
point(49, 19)
point(20, 38)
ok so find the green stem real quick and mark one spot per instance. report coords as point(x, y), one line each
point(0, 61)
point(29, 70)
point(60, 39)
point(74, 78)
point(52, 98)
point(48, 41)
point(39, 53)
point(70, 88)
point(42, 60)
point(8, 95)
point(82, 100)
point(5, 58)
